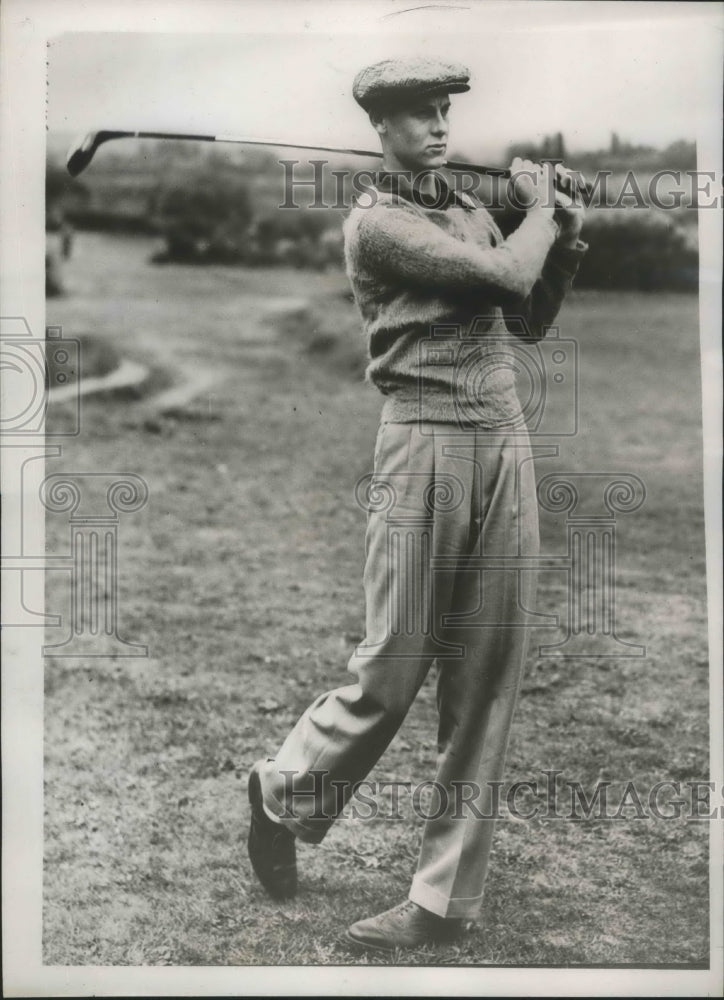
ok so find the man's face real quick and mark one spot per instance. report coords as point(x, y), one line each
point(416, 135)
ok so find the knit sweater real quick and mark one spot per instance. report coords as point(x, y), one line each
point(443, 297)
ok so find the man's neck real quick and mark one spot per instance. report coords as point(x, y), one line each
point(423, 178)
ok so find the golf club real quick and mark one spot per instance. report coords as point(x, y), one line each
point(81, 153)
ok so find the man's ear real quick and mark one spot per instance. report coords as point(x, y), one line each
point(378, 121)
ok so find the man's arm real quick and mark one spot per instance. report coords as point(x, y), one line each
point(540, 308)
point(400, 241)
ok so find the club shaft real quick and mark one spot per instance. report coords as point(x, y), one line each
point(81, 154)
point(77, 163)
point(451, 164)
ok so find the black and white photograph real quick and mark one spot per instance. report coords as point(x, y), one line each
point(361, 458)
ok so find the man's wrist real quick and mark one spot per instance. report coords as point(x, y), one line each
point(540, 211)
point(568, 240)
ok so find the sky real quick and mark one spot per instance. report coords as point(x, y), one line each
point(586, 70)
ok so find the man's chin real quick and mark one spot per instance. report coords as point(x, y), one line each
point(429, 161)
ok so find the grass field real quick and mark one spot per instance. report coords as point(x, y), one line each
point(243, 576)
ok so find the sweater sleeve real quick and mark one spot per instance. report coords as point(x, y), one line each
point(398, 240)
point(537, 311)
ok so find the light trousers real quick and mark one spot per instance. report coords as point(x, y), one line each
point(449, 513)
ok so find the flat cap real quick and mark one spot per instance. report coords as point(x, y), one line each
point(397, 79)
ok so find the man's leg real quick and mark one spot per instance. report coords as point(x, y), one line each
point(344, 732)
point(489, 622)
point(477, 694)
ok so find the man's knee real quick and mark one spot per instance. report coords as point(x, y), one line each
point(388, 680)
point(391, 699)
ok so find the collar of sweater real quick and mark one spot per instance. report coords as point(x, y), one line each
point(401, 184)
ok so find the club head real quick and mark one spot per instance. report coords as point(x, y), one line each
point(81, 153)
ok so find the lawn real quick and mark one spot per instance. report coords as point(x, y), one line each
point(242, 574)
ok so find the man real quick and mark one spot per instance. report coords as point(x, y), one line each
point(452, 479)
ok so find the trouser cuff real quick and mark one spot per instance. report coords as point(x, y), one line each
point(309, 833)
point(460, 907)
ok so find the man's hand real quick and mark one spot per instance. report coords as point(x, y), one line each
point(532, 185)
point(570, 210)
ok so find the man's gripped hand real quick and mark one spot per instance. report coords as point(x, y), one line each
point(532, 185)
point(570, 210)
point(553, 189)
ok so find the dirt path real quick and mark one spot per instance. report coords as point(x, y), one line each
point(112, 292)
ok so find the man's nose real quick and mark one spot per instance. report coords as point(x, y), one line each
point(439, 126)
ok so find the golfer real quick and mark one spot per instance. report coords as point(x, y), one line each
point(438, 289)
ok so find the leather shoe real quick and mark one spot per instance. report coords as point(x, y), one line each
point(272, 848)
point(404, 926)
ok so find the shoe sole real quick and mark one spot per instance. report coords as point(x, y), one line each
point(254, 788)
point(367, 946)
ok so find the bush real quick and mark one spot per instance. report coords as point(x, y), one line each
point(637, 248)
point(302, 237)
point(204, 219)
point(209, 219)
point(642, 249)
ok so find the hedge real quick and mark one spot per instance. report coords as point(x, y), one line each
point(644, 249)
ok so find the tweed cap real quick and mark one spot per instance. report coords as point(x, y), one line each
point(394, 80)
